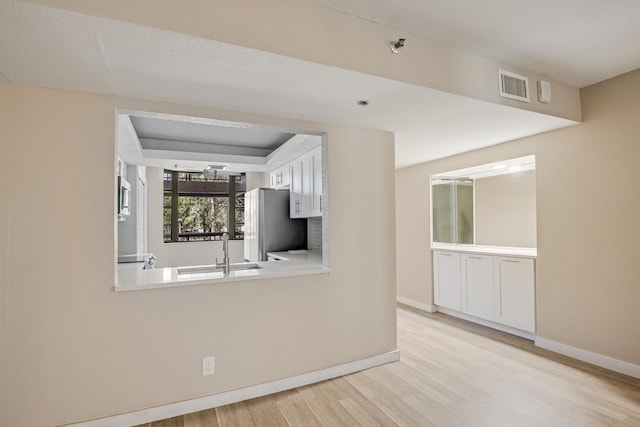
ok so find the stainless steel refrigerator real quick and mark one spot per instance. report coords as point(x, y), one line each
point(267, 226)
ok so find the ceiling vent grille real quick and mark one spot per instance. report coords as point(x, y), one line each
point(513, 86)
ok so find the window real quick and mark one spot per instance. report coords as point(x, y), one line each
point(197, 207)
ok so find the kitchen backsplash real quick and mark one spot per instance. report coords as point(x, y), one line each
point(314, 230)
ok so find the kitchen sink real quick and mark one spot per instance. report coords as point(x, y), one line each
point(202, 269)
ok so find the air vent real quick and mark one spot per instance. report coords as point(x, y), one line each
point(513, 86)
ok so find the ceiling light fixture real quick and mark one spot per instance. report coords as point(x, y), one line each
point(218, 171)
point(212, 171)
point(363, 103)
point(395, 46)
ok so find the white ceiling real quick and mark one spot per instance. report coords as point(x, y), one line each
point(56, 48)
point(577, 42)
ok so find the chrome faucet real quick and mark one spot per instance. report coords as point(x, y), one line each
point(225, 249)
point(149, 264)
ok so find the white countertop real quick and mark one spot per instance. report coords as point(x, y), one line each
point(487, 250)
point(307, 257)
point(134, 257)
point(131, 277)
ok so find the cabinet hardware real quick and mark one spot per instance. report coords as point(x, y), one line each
point(511, 260)
point(474, 257)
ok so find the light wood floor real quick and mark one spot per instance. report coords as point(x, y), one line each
point(451, 373)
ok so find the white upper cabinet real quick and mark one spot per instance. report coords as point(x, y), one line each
point(280, 178)
point(305, 174)
point(299, 198)
point(315, 162)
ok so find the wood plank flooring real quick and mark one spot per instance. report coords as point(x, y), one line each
point(451, 373)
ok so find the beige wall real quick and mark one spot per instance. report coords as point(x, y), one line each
point(308, 31)
point(587, 196)
point(5, 91)
point(413, 233)
point(257, 180)
point(505, 210)
point(78, 350)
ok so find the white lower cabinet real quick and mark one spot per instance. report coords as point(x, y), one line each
point(514, 285)
point(446, 279)
point(477, 285)
point(495, 288)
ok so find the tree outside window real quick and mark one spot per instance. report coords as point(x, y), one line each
point(201, 206)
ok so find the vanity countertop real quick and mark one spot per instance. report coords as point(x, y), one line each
point(487, 250)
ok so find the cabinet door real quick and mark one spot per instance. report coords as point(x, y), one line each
point(514, 292)
point(299, 188)
point(446, 279)
point(307, 187)
point(477, 285)
point(315, 161)
point(284, 179)
point(280, 177)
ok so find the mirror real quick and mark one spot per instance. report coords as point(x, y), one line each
point(490, 205)
point(452, 210)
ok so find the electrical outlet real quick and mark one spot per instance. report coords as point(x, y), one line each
point(208, 366)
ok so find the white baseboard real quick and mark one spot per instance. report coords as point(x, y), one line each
point(199, 404)
point(416, 304)
point(488, 323)
point(589, 357)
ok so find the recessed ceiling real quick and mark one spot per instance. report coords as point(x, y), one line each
point(179, 132)
point(56, 48)
point(149, 139)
